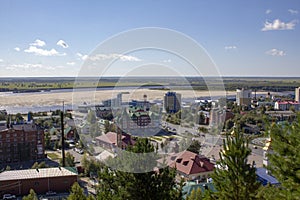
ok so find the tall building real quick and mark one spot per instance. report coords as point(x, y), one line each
point(243, 97)
point(172, 102)
point(21, 142)
point(297, 94)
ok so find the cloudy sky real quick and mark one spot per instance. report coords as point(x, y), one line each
point(243, 38)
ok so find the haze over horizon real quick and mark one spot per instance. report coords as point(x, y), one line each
point(243, 38)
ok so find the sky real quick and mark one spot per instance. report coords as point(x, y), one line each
point(58, 38)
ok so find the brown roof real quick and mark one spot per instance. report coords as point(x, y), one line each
point(111, 138)
point(36, 173)
point(189, 163)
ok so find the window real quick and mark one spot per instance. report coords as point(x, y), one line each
point(185, 163)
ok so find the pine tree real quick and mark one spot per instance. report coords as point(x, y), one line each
point(196, 194)
point(234, 178)
point(76, 193)
point(285, 159)
point(145, 185)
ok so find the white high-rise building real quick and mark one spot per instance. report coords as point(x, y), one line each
point(297, 94)
point(243, 97)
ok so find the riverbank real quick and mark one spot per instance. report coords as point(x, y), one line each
point(92, 96)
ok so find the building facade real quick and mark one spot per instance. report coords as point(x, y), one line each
point(243, 97)
point(20, 143)
point(19, 182)
point(297, 94)
point(172, 102)
point(287, 105)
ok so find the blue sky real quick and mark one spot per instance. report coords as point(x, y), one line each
point(243, 38)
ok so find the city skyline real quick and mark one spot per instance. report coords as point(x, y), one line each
point(242, 38)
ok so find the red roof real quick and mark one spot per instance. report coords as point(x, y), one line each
point(288, 102)
point(111, 138)
point(189, 163)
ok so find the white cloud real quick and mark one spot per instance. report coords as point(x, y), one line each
point(71, 63)
point(113, 56)
point(167, 61)
point(39, 43)
point(81, 56)
point(275, 52)
point(230, 47)
point(268, 11)
point(29, 66)
point(293, 12)
point(1, 60)
point(43, 52)
point(17, 49)
point(62, 43)
point(279, 25)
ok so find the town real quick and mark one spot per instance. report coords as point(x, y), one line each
point(48, 152)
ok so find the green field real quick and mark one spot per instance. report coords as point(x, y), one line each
point(197, 83)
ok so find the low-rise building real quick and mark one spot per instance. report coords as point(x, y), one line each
point(109, 141)
point(189, 165)
point(287, 105)
point(19, 182)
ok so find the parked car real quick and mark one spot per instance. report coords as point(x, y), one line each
point(9, 196)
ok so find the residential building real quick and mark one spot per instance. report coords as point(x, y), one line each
point(172, 102)
point(21, 142)
point(287, 105)
point(243, 97)
point(297, 94)
point(103, 112)
point(19, 182)
point(189, 165)
point(109, 140)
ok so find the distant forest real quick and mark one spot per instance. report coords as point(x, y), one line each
point(31, 84)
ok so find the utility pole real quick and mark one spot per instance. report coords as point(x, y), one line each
point(62, 138)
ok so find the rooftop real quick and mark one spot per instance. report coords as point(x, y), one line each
point(37, 173)
point(265, 178)
point(189, 162)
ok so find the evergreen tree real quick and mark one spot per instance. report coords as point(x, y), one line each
point(147, 185)
point(285, 159)
point(69, 160)
point(196, 194)
point(31, 196)
point(76, 193)
point(195, 146)
point(234, 178)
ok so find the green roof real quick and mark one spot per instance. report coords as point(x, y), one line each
point(191, 185)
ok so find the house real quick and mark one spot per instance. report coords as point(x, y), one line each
point(189, 165)
point(109, 140)
point(287, 105)
point(19, 182)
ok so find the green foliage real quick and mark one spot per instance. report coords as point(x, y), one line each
point(69, 160)
point(160, 184)
point(31, 196)
point(285, 160)
point(91, 167)
point(235, 178)
point(47, 140)
point(195, 146)
point(195, 195)
point(40, 165)
point(76, 193)
point(91, 117)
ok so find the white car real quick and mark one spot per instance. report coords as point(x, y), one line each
point(9, 196)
